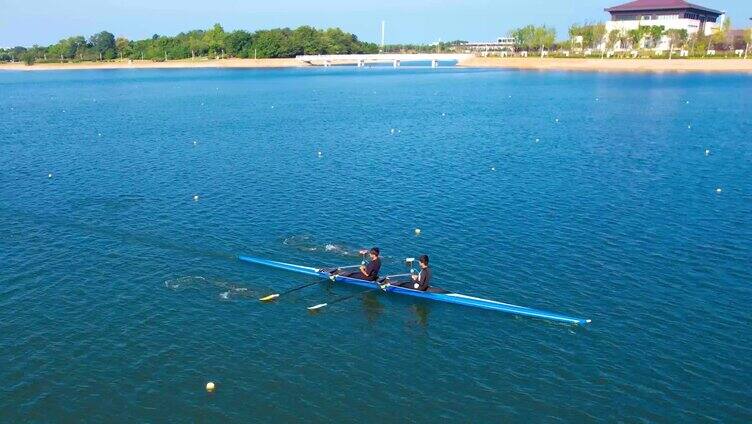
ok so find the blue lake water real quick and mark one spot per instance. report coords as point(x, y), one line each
point(582, 193)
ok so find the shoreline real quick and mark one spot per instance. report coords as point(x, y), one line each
point(613, 65)
point(149, 64)
point(515, 63)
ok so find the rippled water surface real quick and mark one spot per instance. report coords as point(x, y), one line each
point(587, 194)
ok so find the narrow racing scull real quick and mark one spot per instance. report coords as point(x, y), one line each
point(433, 293)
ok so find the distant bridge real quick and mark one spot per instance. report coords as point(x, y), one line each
point(395, 59)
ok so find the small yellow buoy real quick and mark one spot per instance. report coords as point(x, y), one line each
point(417, 231)
point(210, 386)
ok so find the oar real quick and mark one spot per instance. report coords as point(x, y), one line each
point(341, 299)
point(276, 295)
point(350, 296)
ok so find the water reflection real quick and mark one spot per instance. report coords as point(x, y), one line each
point(421, 313)
point(372, 307)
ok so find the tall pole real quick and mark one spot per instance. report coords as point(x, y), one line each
point(383, 28)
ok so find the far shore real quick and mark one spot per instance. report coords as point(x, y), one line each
point(530, 63)
point(612, 65)
point(149, 64)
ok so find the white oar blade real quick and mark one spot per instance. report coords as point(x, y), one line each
point(270, 297)
point(319, 306)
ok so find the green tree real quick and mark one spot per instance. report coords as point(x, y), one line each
point(278, 42)
point(531, 37)
point(698, 44)
point(545, 37)
point(28, 58)
point(613, 37)
point(103, 43)
point(598, 32)
point(575, 30)
point(215, 40)
point(655, 34)
point(524, 37)
point(677, 38)
point(194, 40)
point(720, 35)
point(238, 43)
point(636, 36)
point(122, 46)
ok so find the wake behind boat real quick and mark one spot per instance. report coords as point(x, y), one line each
point(433, 293)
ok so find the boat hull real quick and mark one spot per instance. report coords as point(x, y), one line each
point(442, 296)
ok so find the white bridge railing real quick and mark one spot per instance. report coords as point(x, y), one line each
point(394, 58)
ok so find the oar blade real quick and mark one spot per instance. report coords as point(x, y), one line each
point(270, 297)
point(315, 307)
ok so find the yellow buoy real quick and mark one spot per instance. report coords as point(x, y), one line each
point(210, 387)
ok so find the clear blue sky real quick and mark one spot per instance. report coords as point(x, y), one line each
point(24, 22)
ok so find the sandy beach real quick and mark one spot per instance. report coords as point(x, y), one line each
point(563, 64)
point(148, 64)
point(613, 65)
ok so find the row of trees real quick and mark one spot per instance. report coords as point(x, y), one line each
point(214, 42)
point(586, 35)
point(696, 44)
point(594, 36)
point(533, 37)
point(647, 37)
point(439, 47)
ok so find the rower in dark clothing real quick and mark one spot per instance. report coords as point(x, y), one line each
point(421, 280)
point(369, 271)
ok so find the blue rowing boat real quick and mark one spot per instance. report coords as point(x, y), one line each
point(433, 293)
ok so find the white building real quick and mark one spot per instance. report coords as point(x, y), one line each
point(502, 44)
point(671, 14)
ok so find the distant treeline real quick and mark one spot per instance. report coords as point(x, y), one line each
point(213, 43)
point(440, 47)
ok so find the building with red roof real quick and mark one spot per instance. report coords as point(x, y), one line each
point(671, 14)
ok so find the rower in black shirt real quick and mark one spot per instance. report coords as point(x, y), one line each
point(420, 281)
point(369, 271)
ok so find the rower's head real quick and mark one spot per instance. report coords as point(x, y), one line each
point(423, 261)
point(374, 253)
